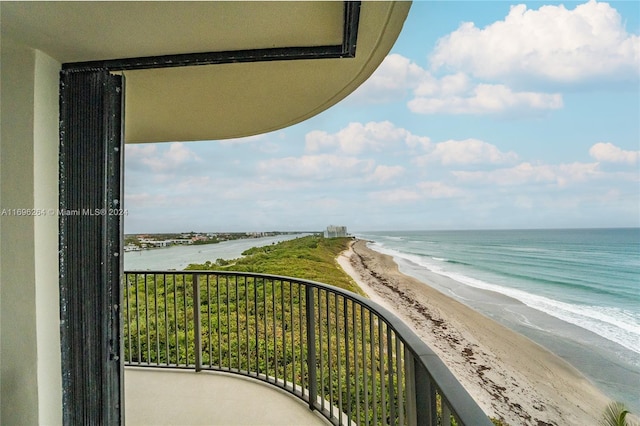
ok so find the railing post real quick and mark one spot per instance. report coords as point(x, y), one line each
point(425, 397)
point(311, 345)
point(197, 337)
point(446, 412)
point(410, 380)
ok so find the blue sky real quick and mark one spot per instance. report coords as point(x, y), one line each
point(485, 115)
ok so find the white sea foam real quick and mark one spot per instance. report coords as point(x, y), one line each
point(614, 324)
point(524, 320)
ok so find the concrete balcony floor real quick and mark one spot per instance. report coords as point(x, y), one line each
point(184, 397)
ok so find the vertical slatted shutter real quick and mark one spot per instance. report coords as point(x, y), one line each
point(91, 155)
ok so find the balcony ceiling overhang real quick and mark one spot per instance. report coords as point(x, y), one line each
point(230, 98)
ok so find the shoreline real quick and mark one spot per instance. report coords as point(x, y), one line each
point(180, 256)
point(511, 377)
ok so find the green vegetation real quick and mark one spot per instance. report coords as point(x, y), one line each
point(310, 258)
point(131, 239)
point(195, 238)
point(615, 415)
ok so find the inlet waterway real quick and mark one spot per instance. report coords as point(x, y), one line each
point(179, 257)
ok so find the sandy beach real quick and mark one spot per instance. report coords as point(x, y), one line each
point(510, 377)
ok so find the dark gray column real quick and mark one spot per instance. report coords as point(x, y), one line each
point(91, 153)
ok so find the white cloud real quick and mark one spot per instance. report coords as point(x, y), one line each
point(144, 199)
point(317, 140)
point(386, 173)
point(326, 204)
point(450, 94)
point(525, 173)
point(422, 191)
point(485, 99)
point(439, 190)
point(552, 43)
point(179, 153)
point(468, 151)
point(193, 184)
point(608, 152)
point(396, 196)
point(311, 168)
point(322, 166)
point(358, 137)
point(140, 150)
point(256, 187)
point(176, 156)
point(448, 85)
point(393, 79)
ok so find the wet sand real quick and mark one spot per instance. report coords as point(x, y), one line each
point(510, 377)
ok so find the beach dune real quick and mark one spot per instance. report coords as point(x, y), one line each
point(510, 377)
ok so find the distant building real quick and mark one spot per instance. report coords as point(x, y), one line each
point(151, 242)
point(333, 231)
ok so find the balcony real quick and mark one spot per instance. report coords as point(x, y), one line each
point(348, 360)
point(175, 397)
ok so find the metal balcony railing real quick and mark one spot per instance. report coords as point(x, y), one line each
point(347, 357)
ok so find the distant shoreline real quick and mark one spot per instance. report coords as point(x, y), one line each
point(510, 376)
point(179, 257)
point(140, 242)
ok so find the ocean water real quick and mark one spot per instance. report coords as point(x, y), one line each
point(574, 291)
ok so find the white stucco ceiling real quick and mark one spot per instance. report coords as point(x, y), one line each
point(77, 31)
point(211, 101)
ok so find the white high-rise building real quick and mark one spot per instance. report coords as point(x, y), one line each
point(333, 231)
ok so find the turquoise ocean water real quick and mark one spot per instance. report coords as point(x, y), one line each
point(575, 291)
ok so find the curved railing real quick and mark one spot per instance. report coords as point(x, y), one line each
point(346, 356)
